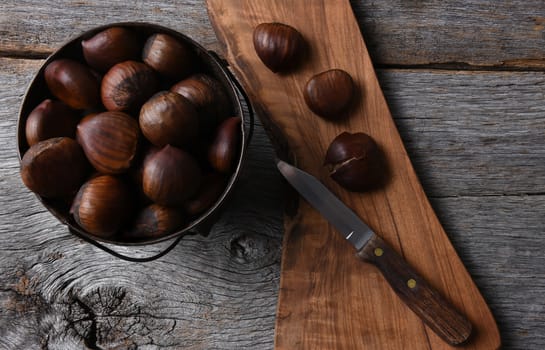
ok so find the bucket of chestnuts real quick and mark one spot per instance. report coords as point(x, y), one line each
point(133, 134)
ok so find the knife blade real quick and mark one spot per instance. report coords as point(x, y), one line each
point(434, 310)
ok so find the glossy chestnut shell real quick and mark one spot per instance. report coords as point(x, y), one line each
point(279, 46)
point(213, 184)
point(168, 56)
point(110, 47)
point(127, 85)
point(54, 167)
point(329, 94)
point(73, 83)
point(50, 119)
point(109, 140)
point(171, 176)
point(102, 205)
point(208, 97)
point(169, 118)
point(155, 221)
point(223, 150)
point(355, 162)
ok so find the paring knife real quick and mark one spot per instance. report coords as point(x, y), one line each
point(423, 300)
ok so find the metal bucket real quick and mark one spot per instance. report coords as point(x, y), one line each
point(210, 63)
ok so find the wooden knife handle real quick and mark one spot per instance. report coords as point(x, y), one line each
point(426, 302)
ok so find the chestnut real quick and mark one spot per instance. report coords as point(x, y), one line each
point(127, 85)
point(155, 221)
point(213, 185)
point(102, 205)
point(224, 147)
point(329, 94)
point(50, 119)
point(171, 176)
point(278, 45)
point(73, 83)
point(109, 140)
point(168, 56)
point(355, 162)
point(169, 118)
point(54, 167)
point(138, 165)
point(109, 47)
point(208, 97)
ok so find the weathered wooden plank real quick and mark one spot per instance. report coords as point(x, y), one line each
point(500, 240)
point(63, 292)
point(487, 33)
point(471, 133)
point(39, 27)
point(499, 33)
point(60, 293)
point(220, 292)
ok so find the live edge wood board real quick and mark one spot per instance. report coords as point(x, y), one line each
point(328, 298)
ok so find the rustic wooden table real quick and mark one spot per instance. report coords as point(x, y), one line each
point(465, 82)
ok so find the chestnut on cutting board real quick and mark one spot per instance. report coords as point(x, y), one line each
point(279, 46)
point(355, 162)
point(329, 94)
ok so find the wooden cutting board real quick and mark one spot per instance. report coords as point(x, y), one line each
point(328, 298)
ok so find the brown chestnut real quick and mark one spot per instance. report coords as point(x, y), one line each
point(169, 118)
point(73, 83)
point(54, 167)
point(127, 85)
point(355, 162)
point(102, 205)
point(168, 56)
point(109, 47)
point(213, 185)
point(138, 165)
point(224, 148)
point(50, 119)
point(208, 97)
point(155, 221)
point(171, 176)
point(329, 94)
point(278, 45)
point(109, 140)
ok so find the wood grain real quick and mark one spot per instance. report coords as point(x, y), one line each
point(505, 34)
point(326, 300)
point(474, 138)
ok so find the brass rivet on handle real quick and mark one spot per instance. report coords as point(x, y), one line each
point(411, 283)
point(379, 251)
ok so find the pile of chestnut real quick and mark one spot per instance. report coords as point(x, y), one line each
point(136, 137)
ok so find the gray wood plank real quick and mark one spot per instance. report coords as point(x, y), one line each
point(219, 292)
point(482, 33)
point(471, 32)
point(471, 133)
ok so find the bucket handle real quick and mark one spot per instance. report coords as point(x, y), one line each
point(126, 257)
